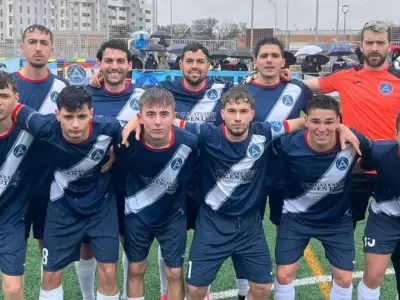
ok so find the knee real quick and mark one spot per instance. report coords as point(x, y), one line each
point(284, 276)
point(343, 279)
point(51, 280)
point(137, 269)
point(260, 290)
point(174, 274)
point(108, 272)
point(13, 288)
point(195, 292)
point(373, 279)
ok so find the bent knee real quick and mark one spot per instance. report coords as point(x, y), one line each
point(174, 274)
point(197, 291)
point(260, 289)
point(137, 269)
point(13, 287)
point(344, 279)
point(284, 275)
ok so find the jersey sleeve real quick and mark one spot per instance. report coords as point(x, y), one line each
point(332, 82)
point(202, 130)
point(36, 124)
point(368, 160)
point(306, 97)
point(366, 151)
point(271, 130)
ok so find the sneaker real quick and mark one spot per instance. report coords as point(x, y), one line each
point(240, 297)
point(163, 297)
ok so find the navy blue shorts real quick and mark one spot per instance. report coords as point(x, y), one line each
point(120, 199)
point(337, 239)
point(193, 201)
point(362, 189)
point(36, 215)
point(12, 251)
point(275, 196)
point(65, 230)
point(171, 235)
point(219, 237)
point(381, 234)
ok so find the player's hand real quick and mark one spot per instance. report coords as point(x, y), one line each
point(107, 166)
point(285, 75)
point(252, 76)
point(96, 79)
point(132, 126)
point(347, 136)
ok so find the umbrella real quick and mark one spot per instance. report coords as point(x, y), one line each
point(241, 54)
point(176, 48)
point(289, 57)
point(135, 52)
point(219, 54)
point(154, 47)
point(394, 48)
point(340, 50)
point(322, 59)
point(136, 35)
point(161, 34)
point(309, 50)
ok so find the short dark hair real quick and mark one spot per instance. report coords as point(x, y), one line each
point(7, 81)
point(398, 123)
point(157, 96)
point(194, 47)
point(238, 94)
point(37, 27)
point(114, 44)
point(269, 41)
point(73, 98)
point(323, 102)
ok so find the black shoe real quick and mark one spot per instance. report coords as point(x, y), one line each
point(241, 297)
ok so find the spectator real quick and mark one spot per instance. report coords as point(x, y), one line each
point(151, 63)
point(162, 63)
point(140, 43)
point(241, 66)
point(339, 64)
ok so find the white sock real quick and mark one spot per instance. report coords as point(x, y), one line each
point(339, 293)
point(56, 294)
point(163, 277)
point(102, 297)
point(365, 293)
point(125, 266)
point(138, 298)
point(284, 292)
point(86, 271)
point(242, 286)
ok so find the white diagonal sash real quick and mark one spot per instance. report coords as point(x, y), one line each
point(131, 107)
point(285, 104)
point(207, 104)
point(390, 208)
point(49, 106)
point(152, 192)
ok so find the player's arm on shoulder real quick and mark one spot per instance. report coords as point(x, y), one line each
point(30, 120)
point(201, 130)
point(327, 84)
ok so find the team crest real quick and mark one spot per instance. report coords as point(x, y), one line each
point(287, 100)
point(176, 164)
point(212, 94)
point(19, 150)
point(134, 103)
point(97, 154)
point(276, 126)
point(386, 88)
point(255, 152)
point(76, 74)
point(54, 96)
point(342, 163)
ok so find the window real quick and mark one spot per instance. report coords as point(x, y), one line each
point(20, 9)
point(29, 10)
point(10, 7)
point(20, 21)
point(10, 31)
point(10, 19)
point(122, 18)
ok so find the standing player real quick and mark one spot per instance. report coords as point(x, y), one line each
point(82, 203)
point(382, 232)
point(117, 98)
point(317, 199)
point(38, 88)
point(233, 164)
point(159, 167)
point(275, 100)
point(15, 186)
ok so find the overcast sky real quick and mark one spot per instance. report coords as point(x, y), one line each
point(301, 12)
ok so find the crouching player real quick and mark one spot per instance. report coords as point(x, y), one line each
point(316, 203)
point(82, 203)
point(158, 167)
point(15, 187)
point(382, 232)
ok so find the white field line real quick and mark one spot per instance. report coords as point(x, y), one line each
point(297, 282)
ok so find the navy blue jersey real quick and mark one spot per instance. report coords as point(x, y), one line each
point(42, 96)
point(15, 176)
point(283, 101)
point(156, 177)
point(122, 106)
point(384, 158)
point(78, 182)
point(201, 106)
point(317, 184)
point(233, 173)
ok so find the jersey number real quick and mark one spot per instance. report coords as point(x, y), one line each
point(45, 254)
point(368, 242)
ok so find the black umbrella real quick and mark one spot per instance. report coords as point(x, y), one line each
point(161, 34)
point(154, 47)
point(219, 54)
point(289, 57)
point(244, 54)
point(322, 59)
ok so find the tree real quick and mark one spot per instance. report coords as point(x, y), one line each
point(205, 28)
point(227, 31)
point(120, 31)
point(179, 31)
